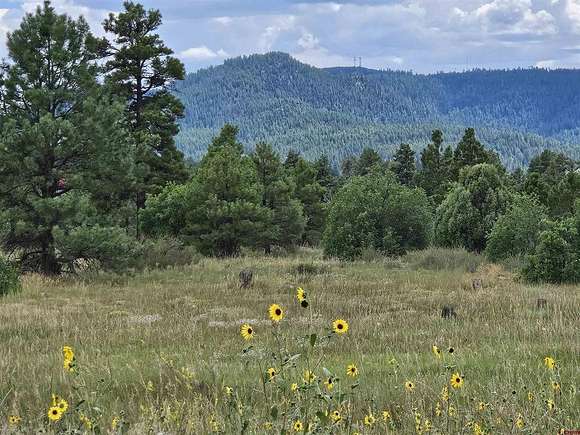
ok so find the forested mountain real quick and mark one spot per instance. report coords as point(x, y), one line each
point(339, 111)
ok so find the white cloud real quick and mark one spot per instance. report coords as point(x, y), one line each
point(224, 21)
point(202, 53)
point(573, 12)
point(272, 32)
point(308, 40)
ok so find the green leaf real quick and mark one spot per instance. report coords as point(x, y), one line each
point(274, 412)
point(313, 338)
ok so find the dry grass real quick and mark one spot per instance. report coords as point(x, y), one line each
point(161, 324)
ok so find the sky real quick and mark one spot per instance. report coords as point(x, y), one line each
point(420, 35)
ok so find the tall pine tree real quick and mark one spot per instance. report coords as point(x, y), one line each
point(141, 69)
point(404, 165)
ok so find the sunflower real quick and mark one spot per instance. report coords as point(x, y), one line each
point(86, 421)
point(300, 294)
point(228, 391)
point(336, 417)
point(550, 404)
point(386, 415)
point(276, 312)
point(351, 370)
point(438, 409)
point(68, 352)
point(294, 387)
point(340, 326)
point(410, 386)
point(550, 362)
point(268, 425)
point(451, 350)
point(452, 411)
point(329, 383)
point(298, 426)
point(62, 405)
point(114, 423)
point(271, 372)
point(555, 386)
point(309, 376)
point(436, 351)
point(54, 413)
point(520, 422)
point(427, 426)
point(14, 420)
point(369, 420)
point(456, 381)
point(531, 397)
point(247, 331)
point(68, 358)
point(482, 406)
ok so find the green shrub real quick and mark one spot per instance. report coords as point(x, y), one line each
point(444, 259)
point(9, 278)
point(166, 252)
point(376, 212)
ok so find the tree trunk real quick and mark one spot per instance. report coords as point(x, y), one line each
point(49, 264)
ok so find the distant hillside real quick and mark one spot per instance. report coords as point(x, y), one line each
point(339, 111)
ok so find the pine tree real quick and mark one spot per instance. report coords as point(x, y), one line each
point(470, 152)
point(433, 177)
point(369, 161)
point(64, 150)
point(141, 69)
point(404, 165)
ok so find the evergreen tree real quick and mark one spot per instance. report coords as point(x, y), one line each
point(292, 159)
point(64, 151)
point(404, 165)
point(369, 161)
point(433, 176)
point(470, 152)
point(278, 195)
point(141, 69)
point(326, 176)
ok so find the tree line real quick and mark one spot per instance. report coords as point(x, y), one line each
point(90, 174)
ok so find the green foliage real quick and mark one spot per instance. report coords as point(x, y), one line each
point(556, 258)
point(404, 165)
point(376, 212)
point(471, 209)
point(165, 252)
point(516, 232)
point(141, 69)
point(470, 152)
point(434, 176)
point(9, 278)
point(64, 151)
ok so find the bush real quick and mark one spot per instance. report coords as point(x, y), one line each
point(9, 278)
point(376, 212)
point(166, 252)
point(444, 259)
point(516, 232)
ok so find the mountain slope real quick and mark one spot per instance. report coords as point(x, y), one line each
point(339, 111)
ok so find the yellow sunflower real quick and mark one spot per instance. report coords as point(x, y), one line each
point(228, 391)
point(68, 358)
point(482, 406)
point(555, 386)
point(54, 413)
point(531, 397)
point(309, 376)
point(14, 420)
point(438, 409)
point(62, 405)
point(436, 351)
point(452, 411)
point(271, 372)
point(410, 386)
point(298, 426)
point(68, 352)
point(300, 294)
point(550, 404)
point(456, 381)
point(294, 387)
point(86, 421)
point(115, 423)
point(386, 415)
point(276, 312)
point(336, 417)
point(247, 331)
point(268, 425)
point(520, 422)
point(369, 420)
point(351, 370)
point(340, 326)
point(550, 362)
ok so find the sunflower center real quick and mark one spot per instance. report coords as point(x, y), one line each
point(278, 311)
point(340, 326)
point(250, 330)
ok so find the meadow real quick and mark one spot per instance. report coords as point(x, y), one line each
point(161, 351)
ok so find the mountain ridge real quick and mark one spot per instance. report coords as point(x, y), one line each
point(340, 110)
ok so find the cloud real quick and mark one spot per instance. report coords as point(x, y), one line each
point(308, 41)
point(202, 53)
point(573, 11)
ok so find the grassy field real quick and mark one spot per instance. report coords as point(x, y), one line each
point(159, 352)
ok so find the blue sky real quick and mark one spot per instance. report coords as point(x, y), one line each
point(419, 35)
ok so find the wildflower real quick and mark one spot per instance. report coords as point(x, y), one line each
point(114, 423)
point(247, 331)
point(54, 413)
point(456, 381)
point(550, 362)
point(520, 422)
point(149, 386)
point(68, 358)
point(351, 370)
point(436, 351)
point(452, 411)
point(451, 350)
point(482, 406)
point(309, 376)
point(300, 294)
point(445, 394)
point(427, 426)
point(340, 326)
point(336, 417)
point(228, 390)
point(369, 419)
point(86, 421)
point(276, 312)
point(438, 409)
point(62, 405)
point(268, 425)
point(14, 420)
point(386, 415)
point(294, 387)
point(410, 386)
point(329, 384)
point(298, 426)
point(531, 396)
point(271, 372)
point(477, 429)
point(550, 404)
point(555, 386)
